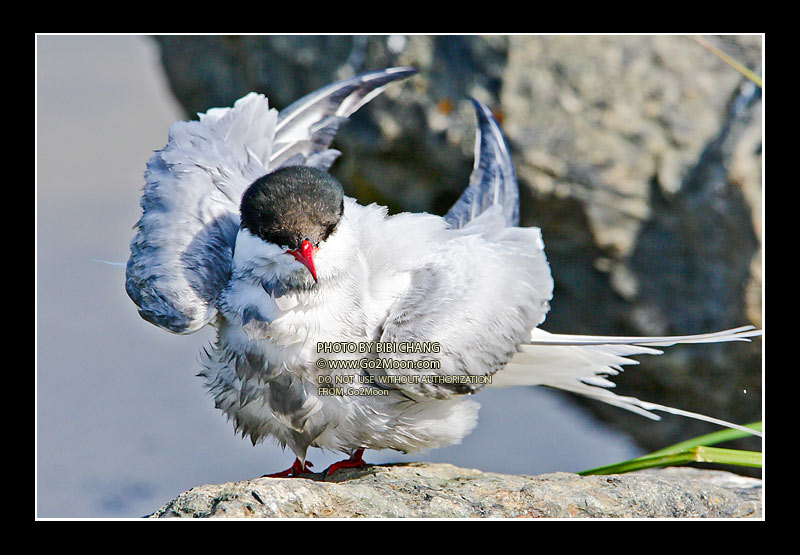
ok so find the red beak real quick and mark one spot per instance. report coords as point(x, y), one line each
point(305, 255)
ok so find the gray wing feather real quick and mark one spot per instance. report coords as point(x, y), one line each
point(182, 250)
point(183, 247)
point(478, 298)
point(308, 126)
point(484, 287)
point(493, 180)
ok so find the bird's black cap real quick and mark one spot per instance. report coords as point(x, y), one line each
point(293, 204)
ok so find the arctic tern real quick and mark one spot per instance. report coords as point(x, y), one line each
point(339, 326)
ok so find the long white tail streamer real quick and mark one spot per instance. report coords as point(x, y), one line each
point(581, 364)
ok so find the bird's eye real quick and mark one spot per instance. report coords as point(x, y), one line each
point(284, 240)
point(328, 230)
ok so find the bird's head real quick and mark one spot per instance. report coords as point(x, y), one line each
point(287, 216)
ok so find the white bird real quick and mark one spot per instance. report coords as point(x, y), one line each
point(243, 229)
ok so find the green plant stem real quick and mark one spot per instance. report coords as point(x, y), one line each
point(694, 454)
point(708, 439)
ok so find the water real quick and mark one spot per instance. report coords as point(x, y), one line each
point(122, 423)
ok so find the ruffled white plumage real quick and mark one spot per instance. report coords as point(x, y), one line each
point(471, 281)
point(181, 254)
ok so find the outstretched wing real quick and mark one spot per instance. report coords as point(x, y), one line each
point(480, 285)
point(181, 253)
point(306, 128)
point(493, 180)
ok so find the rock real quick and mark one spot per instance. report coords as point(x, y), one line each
point(638, 156)
point(421, 490)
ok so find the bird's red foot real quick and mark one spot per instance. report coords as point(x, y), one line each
point(355, 461)
point(295, 470)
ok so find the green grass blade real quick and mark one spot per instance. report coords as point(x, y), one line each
point(640, 463)
point(709, 439)
point(728, 456)
point(700, 454)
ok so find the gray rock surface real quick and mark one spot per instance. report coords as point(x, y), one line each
point(421, 490)
point(638, 156)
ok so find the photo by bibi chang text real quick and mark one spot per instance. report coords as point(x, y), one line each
point(405, 347)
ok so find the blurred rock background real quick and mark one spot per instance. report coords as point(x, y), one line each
point(638, 156)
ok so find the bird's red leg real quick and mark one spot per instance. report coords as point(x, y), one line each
point(355, 461)
point(295, 470)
